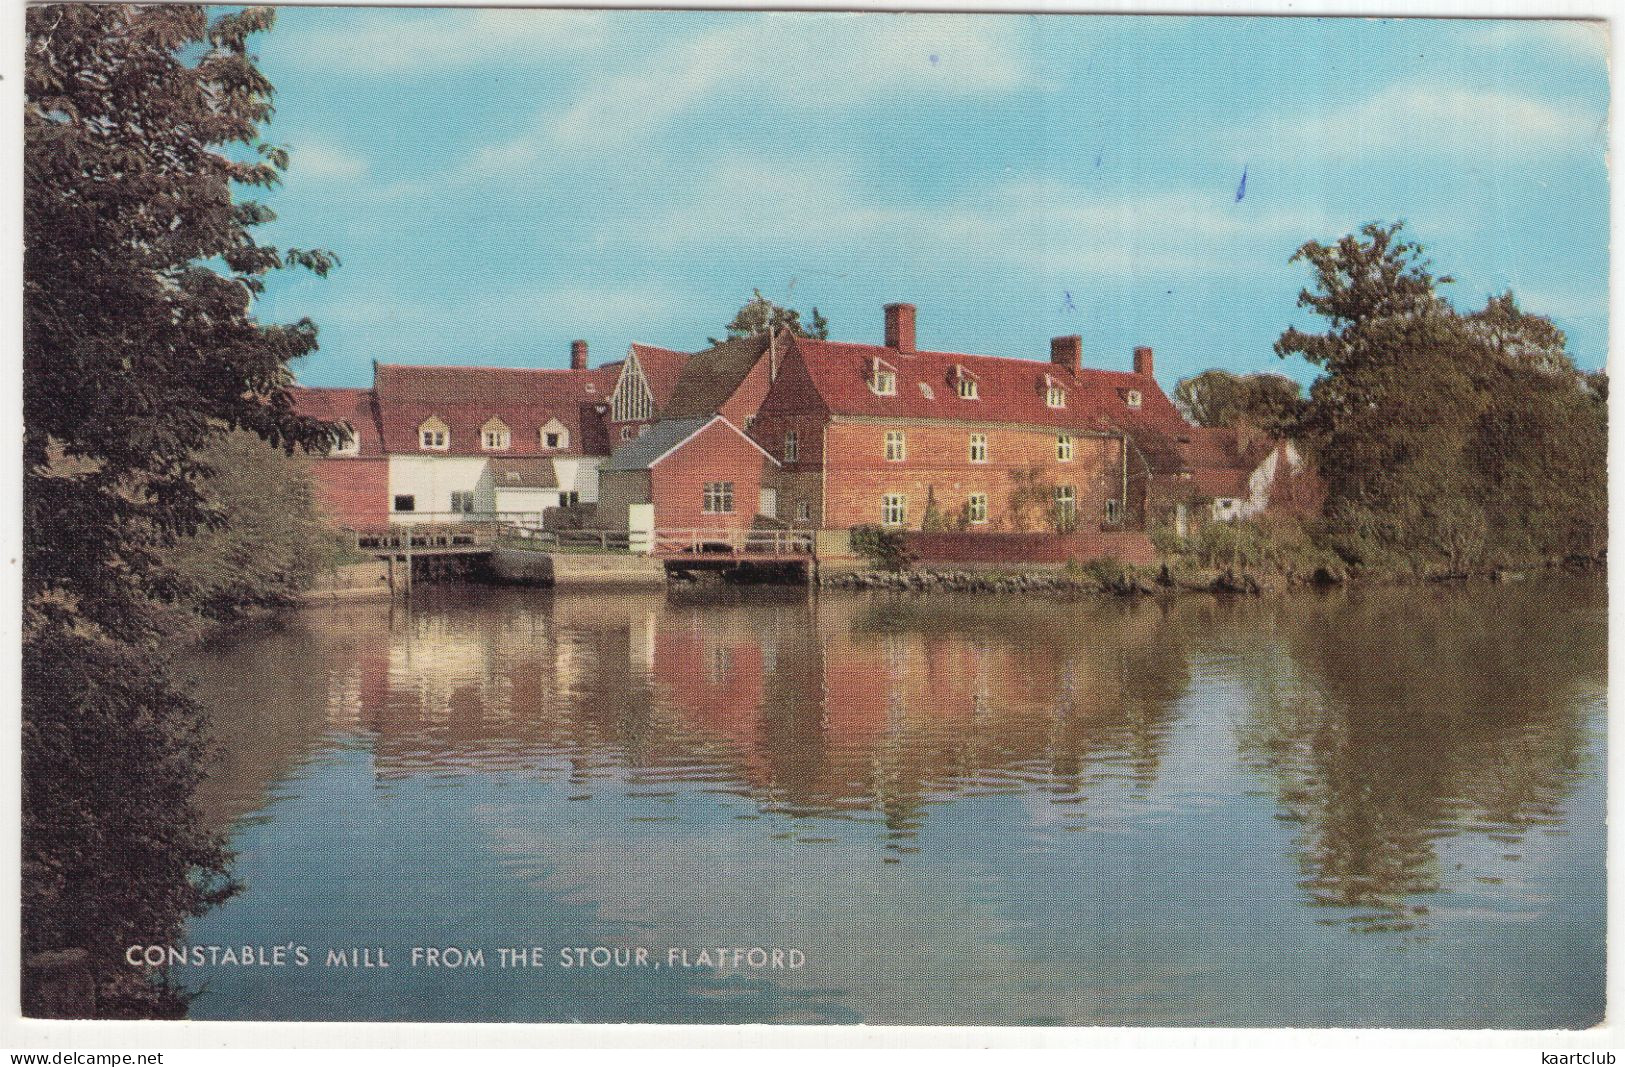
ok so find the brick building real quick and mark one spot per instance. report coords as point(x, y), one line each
point(700, 473)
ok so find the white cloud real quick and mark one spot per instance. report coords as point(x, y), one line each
point(800, 62)
point(1585, 39)
point(446, 40)
point(1047, 226)
point(324, 162)
point(1421, 119)
point(569, 308)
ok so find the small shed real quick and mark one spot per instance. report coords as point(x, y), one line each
point(701, 473)
point(523, 485)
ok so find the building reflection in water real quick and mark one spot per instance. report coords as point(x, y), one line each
point(1380, 727)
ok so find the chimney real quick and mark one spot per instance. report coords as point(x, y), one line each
point(900, 327)
point(1067, 353)
point(1142, 361)
point(578, 355)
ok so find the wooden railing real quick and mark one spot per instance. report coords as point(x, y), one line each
point(461, 531)
point(565, 540)
point(733, 542)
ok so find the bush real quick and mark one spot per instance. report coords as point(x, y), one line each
point(883, 548)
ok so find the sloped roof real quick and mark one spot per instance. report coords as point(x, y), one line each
point(523, 472)
point(711, 377)
point(354, 407)
point(465, 398)
point(1223, 459)
point(661, 369)
point(1009, 389)
point(664, 438)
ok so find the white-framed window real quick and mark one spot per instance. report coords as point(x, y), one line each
point(1055, 396)
point(1114, 511)
point(978, 448)
point(894, 509)
point(803, 511)
point(462, 502)
point(626, 433)
point(883, 380)
point(1134, 398)
point(1063, 447)
point(966, 387)
point(976, 508)
point(552, 440)
point(792, 446)
point(718, 498)
point(434, 436)
point(347, 444)
point(896, 448)
point(1066, 505)
point(494, 436)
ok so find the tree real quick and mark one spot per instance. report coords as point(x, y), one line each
point(761, 315)
point(1441, 436)
point(140, 348)
point(1270, 402)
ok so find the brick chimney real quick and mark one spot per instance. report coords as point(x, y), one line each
point(1067, 353)
point(578, 355)
point(900, 327)
point(1142, 361)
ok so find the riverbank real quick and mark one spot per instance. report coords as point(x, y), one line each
point(1108, 577)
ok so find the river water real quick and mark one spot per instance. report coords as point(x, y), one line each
point(1364, 808)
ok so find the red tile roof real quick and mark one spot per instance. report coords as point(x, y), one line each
point(1223, 460)
point(465, 398)
point(353, 407)
point(1008, 389)
point(661, 369)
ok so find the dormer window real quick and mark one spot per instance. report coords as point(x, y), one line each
point(347, 443)
point(882, 378)
point(965, 383)
point(434, 435)
point(555, 436)
point(495, 436)
point(1055, 396)
point(1134, 398)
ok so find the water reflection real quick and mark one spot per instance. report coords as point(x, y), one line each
point(1096, 811)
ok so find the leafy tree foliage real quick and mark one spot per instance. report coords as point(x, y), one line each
point(761, 315)
point(1269, 402)
point(139, 349)
point(1441, 436)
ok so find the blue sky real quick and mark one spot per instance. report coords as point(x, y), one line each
point(500, 182)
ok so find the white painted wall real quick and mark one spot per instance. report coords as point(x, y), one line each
point(579, 474)
point(432, 480)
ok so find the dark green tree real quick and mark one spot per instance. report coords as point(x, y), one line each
point(140, 347)
point(1269, 402)
point(760, 315)
point(1442, 437)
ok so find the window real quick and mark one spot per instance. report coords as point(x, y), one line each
point(750, 420)
point(1066, 506)
point(462, 502)
point(1055, 396)
point(434, 435)
point(1063, 447)
point(1114, 511)
point(894, 509)
point(406, 503)
point(626, 433)
point(978, 448)
point(896, 452)
point(494, 436)
point(718, 498)
point(883, 380)
point(976, 508)
point(1134, 398)
point(570, 499)
point(967, 388)
point(552, 440)
point(803, 511)
point(792, 446)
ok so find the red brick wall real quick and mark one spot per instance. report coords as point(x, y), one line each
point(1135, 548)
point(938, 464)
point(715, 454)
point(355, 491)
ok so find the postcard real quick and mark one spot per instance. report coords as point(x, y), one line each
point(630, 516)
